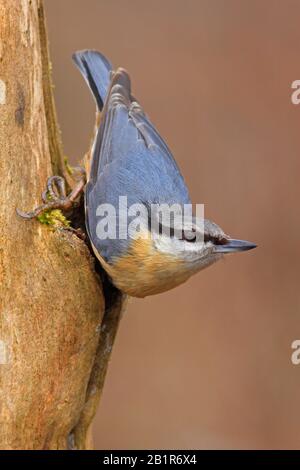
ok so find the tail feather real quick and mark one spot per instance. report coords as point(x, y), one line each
point(96, 70)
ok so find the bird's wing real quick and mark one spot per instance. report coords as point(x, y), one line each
point(126, 133)
point(129, 158)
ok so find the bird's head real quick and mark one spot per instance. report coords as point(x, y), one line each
point(198, 244)
point(156, 262)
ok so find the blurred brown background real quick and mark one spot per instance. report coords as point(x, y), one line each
point(206, 365)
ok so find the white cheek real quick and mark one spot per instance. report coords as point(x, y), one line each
point(192, 247)
point(164, 244)
point(180, 248)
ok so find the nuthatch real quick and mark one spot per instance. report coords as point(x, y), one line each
point(129, 158)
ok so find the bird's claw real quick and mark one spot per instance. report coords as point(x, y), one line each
point(77, 231)
point(55, 197)
point(56, 189)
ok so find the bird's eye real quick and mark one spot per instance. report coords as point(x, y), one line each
point(189, 235)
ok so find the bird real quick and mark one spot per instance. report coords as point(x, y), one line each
point(135, 197)
point(130, 158)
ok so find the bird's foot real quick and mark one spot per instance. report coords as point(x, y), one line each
point(55, 197)
point(77, 231)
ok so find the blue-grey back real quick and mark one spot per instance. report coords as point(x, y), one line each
point(129, 157)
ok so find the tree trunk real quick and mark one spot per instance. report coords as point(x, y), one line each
point(53, 350)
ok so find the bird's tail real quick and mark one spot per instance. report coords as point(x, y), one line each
point(96, 70)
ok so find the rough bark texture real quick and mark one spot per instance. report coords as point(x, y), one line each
point(51, 299)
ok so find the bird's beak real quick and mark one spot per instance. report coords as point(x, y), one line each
point(234, 245)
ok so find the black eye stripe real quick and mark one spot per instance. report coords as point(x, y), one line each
point(186, 235)
point(215, 240)
point(176, 233)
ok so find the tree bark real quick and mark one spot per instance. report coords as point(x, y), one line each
point(51, 299)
